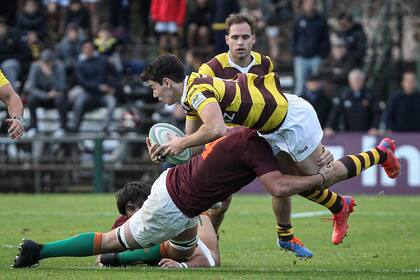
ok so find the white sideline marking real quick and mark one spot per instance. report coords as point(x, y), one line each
point(310, 214)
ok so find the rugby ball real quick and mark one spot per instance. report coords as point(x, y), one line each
point(162, 133)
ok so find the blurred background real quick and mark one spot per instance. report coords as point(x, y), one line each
point(363, 86)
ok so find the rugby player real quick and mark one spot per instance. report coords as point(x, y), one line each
point(288, 122)
point(129, 200)
point(241, 59)
point(14, 108)
point(180, 195)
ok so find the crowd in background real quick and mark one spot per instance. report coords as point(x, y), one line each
point(69, 55)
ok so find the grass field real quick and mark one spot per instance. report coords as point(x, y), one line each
point(383, 242)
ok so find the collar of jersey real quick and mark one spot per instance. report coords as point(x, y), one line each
point(184, 90)
point(240, 68)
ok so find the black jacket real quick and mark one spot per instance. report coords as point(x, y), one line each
point(403, 112)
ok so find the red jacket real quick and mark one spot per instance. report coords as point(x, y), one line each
point(168, 11)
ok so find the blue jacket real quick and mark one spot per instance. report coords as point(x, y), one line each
point(311, 37)
point(92, 72)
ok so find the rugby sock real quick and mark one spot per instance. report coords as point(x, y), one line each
point(285, 232)
point(355, 164)
point(327, 198)
point(81, 245)
point(152, 254)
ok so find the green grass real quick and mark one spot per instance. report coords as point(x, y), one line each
point(383, 242)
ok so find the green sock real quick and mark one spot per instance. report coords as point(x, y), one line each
point(77, 246)
point(151, 254)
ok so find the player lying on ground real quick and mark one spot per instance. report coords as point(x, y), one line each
point(14, 108)
point(288, 122)
point(182, 193)
point(130, 199)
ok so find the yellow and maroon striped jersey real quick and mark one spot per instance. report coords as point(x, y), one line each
point(221, 66)
point(3, 79)
point(250, 100)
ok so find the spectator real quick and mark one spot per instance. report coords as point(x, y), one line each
point(315, 94)
point(276, 13)
point(107, 45)
point(92, 6)
point(78, 14)
point(310, 43)
point(54, 22)
point(198, 24)
point(354, 36)
point(119, 15)
point(357, 108)
point(46, 86)
point(221, 10)
point(95, 89)
point(69, 48)
point(31, 18)
point(168, 16)
point(403, 113)
point(34, 44)
point(13, 53)
point(144, 9)
point(336, 67)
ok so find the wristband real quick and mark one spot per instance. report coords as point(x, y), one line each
point(19, 119)
point(184, 265)
point(323, 179)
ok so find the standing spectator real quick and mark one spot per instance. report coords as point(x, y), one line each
point(168, 16)
point(352, 33)
point(31, 18)
point(70, 47)
point(403, 113)
point(13, 53)
point(78, 14)
point(336, 67)
point(95, 89)
point(357, 108)
point(107, 45)
point(198, 24)
point(315, 94)
point(310, 43)
point(46, 87)
point(221, 10)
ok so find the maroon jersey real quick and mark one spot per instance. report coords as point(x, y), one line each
point(119, 221)
point(223, 168)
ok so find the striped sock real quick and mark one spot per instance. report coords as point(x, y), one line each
point(355, 164)
point(285, 232)
point(327, 198)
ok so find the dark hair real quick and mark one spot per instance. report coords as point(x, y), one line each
point(165, 66)
point(239, 18)
point(345, 15)
point(135, 192)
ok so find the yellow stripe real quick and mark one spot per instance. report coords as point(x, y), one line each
point(218, 26)
point(313, 195)
point(322, 197)
point(223, 59)
point(258, 102)
point(367, 160)
point(357, 163)
point(331, 201)
point(280, 113)
point(3, 79)
point(206, 70)
point(204, 104)
point(258, 57)
point(375, 156)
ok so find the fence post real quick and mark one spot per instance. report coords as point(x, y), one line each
point(98, 166)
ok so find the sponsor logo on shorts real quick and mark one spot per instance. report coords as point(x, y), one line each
point(301, 151)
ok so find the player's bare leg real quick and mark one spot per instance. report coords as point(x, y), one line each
point(217, 214)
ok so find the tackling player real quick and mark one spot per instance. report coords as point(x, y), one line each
point(14, 108)
point(130, 199)
point(181, 194)
point(241, 59)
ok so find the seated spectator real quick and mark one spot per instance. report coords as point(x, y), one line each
point(352, 33)
point(92, 6)
point(198, 24)
point(107, 46)
point(13, 53)
point(168, 16)
point(315, 94)
point(95, 89)
point(77, 14)
point(31, 18)
point(336, 68)
point(34, 44)
point(356, 109)
point(46, 87)
point(54, 22)
point(69, 49)
point(403, 112)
